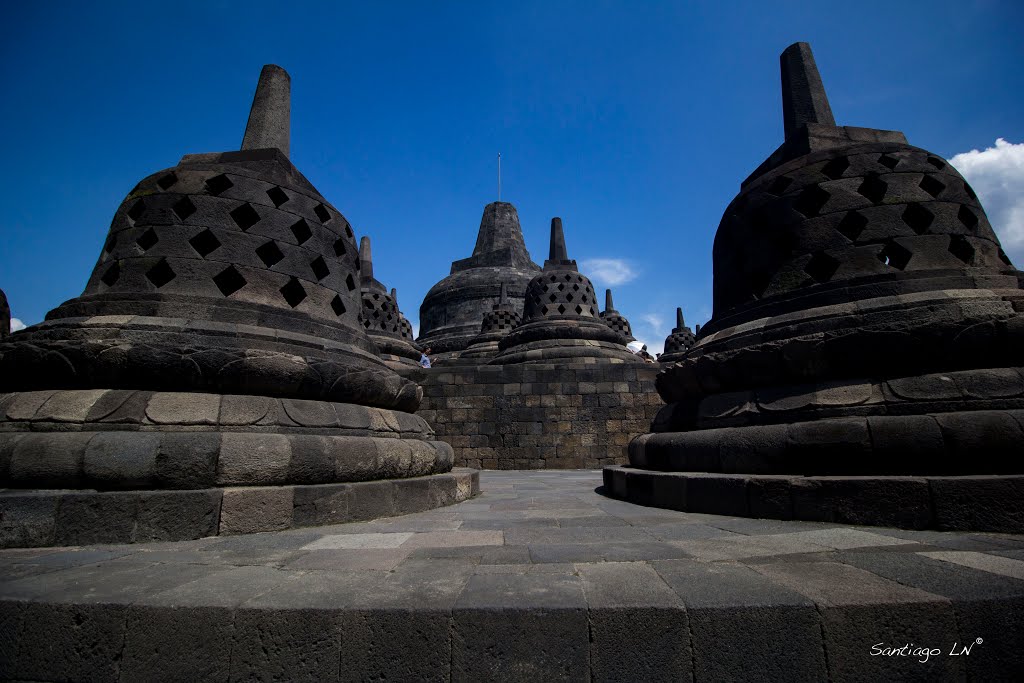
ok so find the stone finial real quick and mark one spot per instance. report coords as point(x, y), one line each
point(803, 95)
point(503, 295)
point(557, 251)
point(609, 305)
point(679, 318)
point(365, 259)
point(394, 296)
point(270, 117)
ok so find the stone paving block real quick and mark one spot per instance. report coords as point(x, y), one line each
point(398, 644)
point(187, 460)
point(741, 547)
point(514, 627)
point(448, 539)
point(978, 502)
point(360, 541)
point(860, 610)
point(988, 563)
point(74, 642)
point(27, 519)
point(177, 643)
point(372, 499)
point(986, 607)
point(842, 538)
point(746, 627)
point(49, 460)
point(177, 515)
point(885, 501)
point(321, 504)
point(251, 459)
point(246, 510)
point(286, 645)
point(96, 518)
point(638, 627)
point(123, 460)
point(363, 559)
point(578, 535)
point(224, 587)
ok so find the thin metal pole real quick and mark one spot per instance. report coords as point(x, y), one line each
point(499, 176)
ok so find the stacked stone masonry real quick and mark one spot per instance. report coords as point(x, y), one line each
point(538, 416)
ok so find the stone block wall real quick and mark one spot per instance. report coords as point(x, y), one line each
point(532, 416)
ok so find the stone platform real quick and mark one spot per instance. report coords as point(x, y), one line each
point(541, 577)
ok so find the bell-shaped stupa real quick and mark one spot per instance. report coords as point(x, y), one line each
point(560, 317)
point(678, 342)
point(614, 319)
point(453, 309)
point(381, 317)
point(498, 322)
point(863, 361)
point(214, 376)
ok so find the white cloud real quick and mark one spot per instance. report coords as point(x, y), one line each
point(653, 320)
point(651, 330)
point(608, 271)
point(415, 330)
point(997, 176)
point(16, 325)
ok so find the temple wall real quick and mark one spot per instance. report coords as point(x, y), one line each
point(532, 416)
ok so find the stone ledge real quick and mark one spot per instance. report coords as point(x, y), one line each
point(976, 503)
point(74, 517)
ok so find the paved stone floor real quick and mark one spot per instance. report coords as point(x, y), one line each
point(539, 577)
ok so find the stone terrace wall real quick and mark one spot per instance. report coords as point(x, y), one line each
point(538, 416)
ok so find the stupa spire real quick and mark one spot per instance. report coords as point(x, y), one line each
point(803, 95)
point(679, 319)
point(609, 305)
point(557, 250)
point(270, 116)
point(365, 259)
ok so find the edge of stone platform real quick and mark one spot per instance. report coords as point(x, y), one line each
point(954, 503)
point(41, 518)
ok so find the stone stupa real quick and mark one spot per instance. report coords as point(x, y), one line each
point(380, 315)
point(560, 317)
point(498, 322)
point(863, 364)
point(614, 319)
point(679, 341)
point(453, 309)
point(213, 377)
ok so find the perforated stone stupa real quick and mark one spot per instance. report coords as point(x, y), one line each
point(863, 363)
point(452, 310)
point(213, 377)
point(560, 317)
point(614, 319)
point(498, 322)
point(679, 341)
point(380, 315)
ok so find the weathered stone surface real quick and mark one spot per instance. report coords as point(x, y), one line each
point(452, 311)
point(861, 295)
point(247, 510)
point(221, 325)
point(121, 460)
point(546, 636)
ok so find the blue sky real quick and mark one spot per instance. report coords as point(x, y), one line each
point(633, 121)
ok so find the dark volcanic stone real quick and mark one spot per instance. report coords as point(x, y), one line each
point(453, 309)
